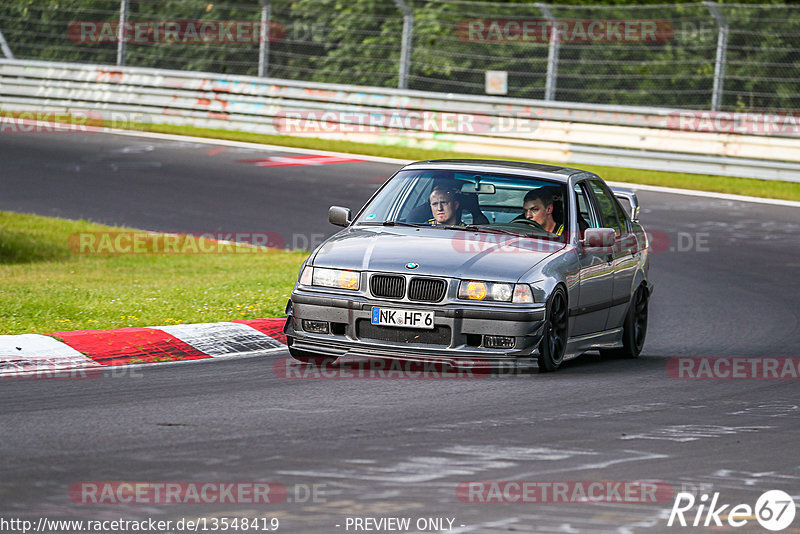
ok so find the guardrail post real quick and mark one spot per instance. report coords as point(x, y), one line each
point(263, 46)
point(121, 37)
point(552, 53)
point(4, 47)
point(719, 62)
point(405, 51)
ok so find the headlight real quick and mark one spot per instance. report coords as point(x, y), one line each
point(494, 291)
point(331, 278)
point(469, 289)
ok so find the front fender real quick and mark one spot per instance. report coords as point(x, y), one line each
point(559, 269)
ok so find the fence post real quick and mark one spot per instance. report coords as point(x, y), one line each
point(552, 53)
point(719, 62)
point(4, 47)
point(121, 34)
point(405, 50)
point(263, 46)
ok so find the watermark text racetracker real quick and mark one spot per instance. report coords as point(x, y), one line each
point(733, 368)
point(72, 121)
point(59, 369)
point(654, 241)
point(140, 242)
point(148, 493)
point(320, 122)
point(315, 121)
point(735, 122)
point(385, 369)
point(564, 30)
point(564, 491)
point(175, 31)
point(198, 31)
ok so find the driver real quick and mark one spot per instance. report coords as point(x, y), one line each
point(444, 207)
point(537, 206)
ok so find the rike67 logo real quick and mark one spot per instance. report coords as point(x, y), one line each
point(774, 510)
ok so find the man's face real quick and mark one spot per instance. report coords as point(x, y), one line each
point(536, 211)
point(443, 207)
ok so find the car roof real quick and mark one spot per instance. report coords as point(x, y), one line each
point(525, 168)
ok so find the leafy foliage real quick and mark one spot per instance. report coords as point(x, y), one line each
point(359, 42)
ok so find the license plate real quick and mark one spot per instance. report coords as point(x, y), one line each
point(403, 318)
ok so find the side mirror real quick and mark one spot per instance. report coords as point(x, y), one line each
point(339, 216)
point(599, 238)
point(631, 198)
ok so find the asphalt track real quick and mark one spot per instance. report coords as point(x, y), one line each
point(727, 285)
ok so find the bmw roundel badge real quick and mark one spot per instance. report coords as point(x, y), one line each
point(412, 265)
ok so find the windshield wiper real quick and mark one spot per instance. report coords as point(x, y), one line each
point(401, 223)
point(474, 228)
point(527, 232)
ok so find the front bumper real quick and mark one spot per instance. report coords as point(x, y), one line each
point(461, 329)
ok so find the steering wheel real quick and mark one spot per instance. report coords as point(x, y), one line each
point(529, 222)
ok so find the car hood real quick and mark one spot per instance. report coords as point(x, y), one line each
point(437, 251)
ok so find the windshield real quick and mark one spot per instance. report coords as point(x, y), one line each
point(485, 202)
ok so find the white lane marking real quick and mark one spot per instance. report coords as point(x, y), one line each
point(37, 353)
point(223, 339)
point(462, 461)
point(499, 452)
point(772, 409)
point(750, 478)
point(525, 420)
point(627, 456)
point(727, 479)
point(500, 525)
point(706, 194)
point(396, 161)
point(315, 160)
point(621, 520)
point(415, 470)
point(256, 146)
point(686, 433)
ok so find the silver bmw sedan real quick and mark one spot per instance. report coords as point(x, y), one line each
point(477, 262)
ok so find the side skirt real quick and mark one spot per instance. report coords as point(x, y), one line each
point(607, 339)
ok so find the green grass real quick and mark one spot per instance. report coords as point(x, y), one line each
point(701, 182)
point(46, 286)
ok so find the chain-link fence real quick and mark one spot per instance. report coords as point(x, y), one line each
point(739, 57)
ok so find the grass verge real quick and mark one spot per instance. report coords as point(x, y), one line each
point(48, 285)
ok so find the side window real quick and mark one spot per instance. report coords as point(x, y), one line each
point(624, 214)
point(607, 206)
point(415, 200)
point(586, 216)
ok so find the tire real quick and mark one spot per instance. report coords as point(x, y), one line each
point(635, 327)
point(554, 339)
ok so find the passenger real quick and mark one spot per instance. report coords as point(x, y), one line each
point(444, 207)
point(538, 207)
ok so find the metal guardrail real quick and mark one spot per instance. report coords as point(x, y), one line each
point(645, 138)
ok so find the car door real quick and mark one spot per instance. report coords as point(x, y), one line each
point(596, 275)
point(624, 252)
